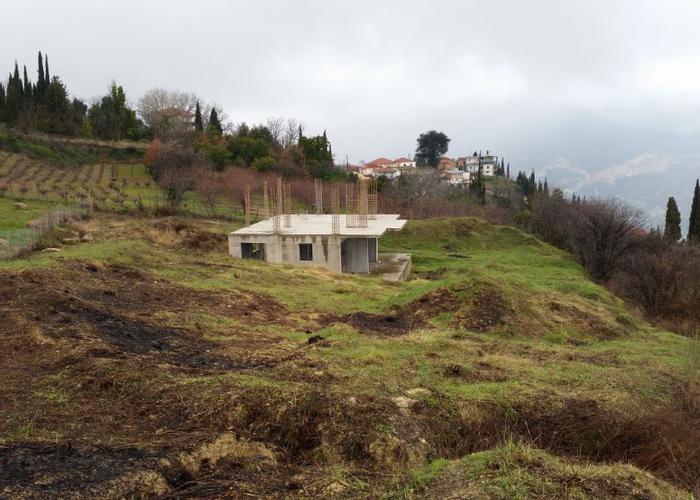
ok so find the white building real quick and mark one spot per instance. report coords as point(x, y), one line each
point(470, 164)
point(312, 240)
point(404, 163)
point(456, 177)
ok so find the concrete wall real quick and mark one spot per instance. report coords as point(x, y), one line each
point(355, 255)
point(285, 249)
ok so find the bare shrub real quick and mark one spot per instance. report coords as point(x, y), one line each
point(176, 182)
point(602, 232)
point(598, 232)
point(207, 185)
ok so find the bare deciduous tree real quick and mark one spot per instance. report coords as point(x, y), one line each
point(208, 186)
point(290, 135)
point(602, 232)
point(168, 113)
point(276, 127)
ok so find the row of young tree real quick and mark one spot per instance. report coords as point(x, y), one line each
point(46, 106)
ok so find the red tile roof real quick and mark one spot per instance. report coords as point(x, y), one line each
point(379, 161)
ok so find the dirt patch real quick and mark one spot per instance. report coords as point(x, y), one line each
point(438, 274)
point(396, 323)
point(115, 310)
point(480, 372)
point(61, 470)
point(432, 304)
point(186, 234)
point(486, 310)
point(483, 312)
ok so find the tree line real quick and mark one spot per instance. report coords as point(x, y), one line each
point(168, 117)
point(45, 105)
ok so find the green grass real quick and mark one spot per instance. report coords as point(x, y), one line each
point(517, 471)
point(526, 272)
point(70, 151)
point(13, 221)
point(534, 359)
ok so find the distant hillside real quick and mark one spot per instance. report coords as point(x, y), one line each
point(595, 156)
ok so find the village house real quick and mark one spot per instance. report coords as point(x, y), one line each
point(471, 164)
point(390, 173)
point(456, 177)
point(404, 163)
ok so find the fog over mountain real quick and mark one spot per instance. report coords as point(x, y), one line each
point(571, 88)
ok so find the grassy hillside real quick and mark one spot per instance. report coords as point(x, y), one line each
point(499, 370)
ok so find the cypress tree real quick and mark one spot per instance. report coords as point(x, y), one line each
point(214, 123)
point(198, 122)
point(546, 187)
point(18, 84)
point(27, 86)
point(12, 100)
point(694, 225)
point(47, 78)
point(508, 170)
point(672, 229)
point(41, 81)
point(2, 102)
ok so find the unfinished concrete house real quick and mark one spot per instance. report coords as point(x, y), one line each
point(347, 243)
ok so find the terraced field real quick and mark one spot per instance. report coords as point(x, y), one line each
point(106, 184)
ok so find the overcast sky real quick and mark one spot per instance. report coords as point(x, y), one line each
point(376, 73)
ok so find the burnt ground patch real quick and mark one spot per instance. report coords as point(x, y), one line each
point(486, 310)
point(395, 323)
point(111, 311)
point(401, 320)
point(163, 344)
point(59, 470)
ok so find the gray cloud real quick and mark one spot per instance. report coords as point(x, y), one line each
point(376, 73)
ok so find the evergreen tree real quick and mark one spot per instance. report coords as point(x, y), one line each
point(546, 187)
point(198, 122)
point(110, 118)
point(508, 170)
point(13, 100)
point(47, 78)
point(18, 85)
point(41, 81)
point(2, 102)
point(672, 229)
point(27, 87)
point(214, 126)
point(694, 225)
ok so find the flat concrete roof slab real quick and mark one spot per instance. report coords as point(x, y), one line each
point(322, 224)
